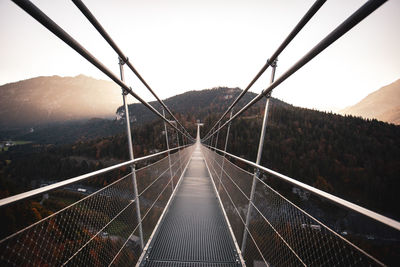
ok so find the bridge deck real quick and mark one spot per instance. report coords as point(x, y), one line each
point(194, 231)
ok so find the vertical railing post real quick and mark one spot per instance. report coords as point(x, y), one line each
point(131, 155)
point(198, 133)
point(216, 139)
point(179, 150)
point(259, 154)
point(226, 145)
point(212, 138)
point(169, 155)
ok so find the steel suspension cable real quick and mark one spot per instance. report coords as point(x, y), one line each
point(300, 25)
point(338, 32)
point(42, 18)
point(92, 19)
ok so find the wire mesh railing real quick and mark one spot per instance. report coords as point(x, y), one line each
point(102, 228)
point(109, 225)
point(280, 232)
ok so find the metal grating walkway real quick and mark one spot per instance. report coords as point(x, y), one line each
point(194, 231)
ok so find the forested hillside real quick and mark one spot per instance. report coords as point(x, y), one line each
point(194, 105)
point(24, 167)
point(353, 158)
point(350, 157)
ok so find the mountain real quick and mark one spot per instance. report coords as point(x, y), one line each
point(350, 157)
point(383, 104)
point(354, 158)
point(43, 100)
point(193, 105)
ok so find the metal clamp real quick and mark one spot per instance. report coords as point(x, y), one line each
point(122, 61)
point(126, 92)
point(273, 63)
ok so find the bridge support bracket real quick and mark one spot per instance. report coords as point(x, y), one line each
point(258, 160)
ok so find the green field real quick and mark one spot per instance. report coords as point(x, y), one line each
point(18, 142)
point(22, 142)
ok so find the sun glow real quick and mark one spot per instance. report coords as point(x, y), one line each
point(189, 45)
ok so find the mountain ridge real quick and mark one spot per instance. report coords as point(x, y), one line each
point(352, 158)
point(348, 156)
point(47, 99)
point(208, 102)
point(382, 104)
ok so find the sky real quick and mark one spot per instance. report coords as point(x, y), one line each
point(182, 45)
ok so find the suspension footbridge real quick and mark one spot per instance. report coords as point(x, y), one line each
point(193, 204)
point(194, 229)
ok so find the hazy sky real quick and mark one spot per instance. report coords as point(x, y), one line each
point(181, 45)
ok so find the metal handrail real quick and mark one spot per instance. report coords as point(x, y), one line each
point(338, 32)
point(92, 19)
point(299, 26)
point(247, 226)
point(43, 19)
point(42, 190)
point(294, 205)
point(337, 200)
